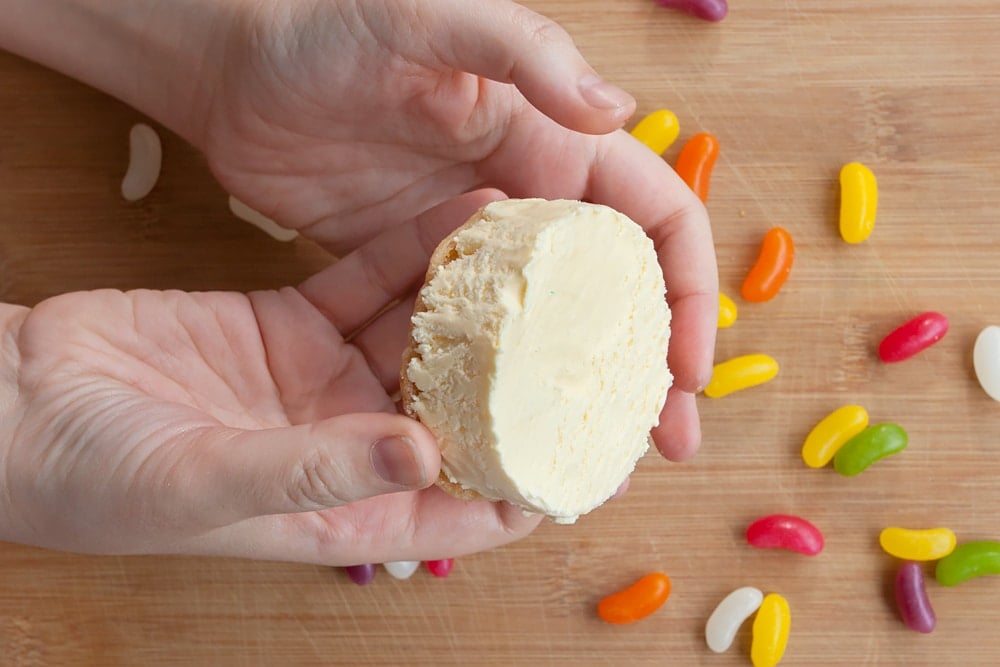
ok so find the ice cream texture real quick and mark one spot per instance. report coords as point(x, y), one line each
point(538, 353)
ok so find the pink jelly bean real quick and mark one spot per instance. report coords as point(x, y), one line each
point(785, 531)
point(911, 598)
point(362, 575)
point(710, 10)
point(918, 334)
point(441, 568)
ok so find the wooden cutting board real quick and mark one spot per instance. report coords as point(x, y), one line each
point(793, 90)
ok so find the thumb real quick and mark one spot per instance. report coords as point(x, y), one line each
point(227, 475)
point(507, 42)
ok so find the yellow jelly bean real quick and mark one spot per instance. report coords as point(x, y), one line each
point(929, 544)
point(741, 373)
point(727, 311)
point(657, 130)
point(831, 433)
point(770, 631)
point(858, 202)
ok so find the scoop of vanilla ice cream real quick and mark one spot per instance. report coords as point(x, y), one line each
point(539, 350)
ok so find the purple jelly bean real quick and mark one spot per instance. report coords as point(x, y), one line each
point(710, 10)
point(911, 598)
point(362, 575)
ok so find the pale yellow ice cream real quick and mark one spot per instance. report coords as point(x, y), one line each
point(538, 353)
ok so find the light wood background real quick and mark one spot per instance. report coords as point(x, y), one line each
point(793, 89)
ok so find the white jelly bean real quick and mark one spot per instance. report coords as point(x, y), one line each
point(145, 155)
point(986, 360)
point(727, 618)
point(260, 221)
point(401, 569)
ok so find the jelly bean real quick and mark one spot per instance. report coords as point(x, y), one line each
point(637, 601)
point(441, 568)
point(831, 433)
point(696, 161)
point(741, 373)
point(913, 336)
point(968, 561)
point(770, 631)
point(986, 361)
point(657, 130)
point(929, 544)
point(867, 447)
point(772, 267)
point(727, 311)
point(785, 531)
point(709, 10)
point(858, 202)
point(362, 575)
point(729, 615)
point(401, 569)
point(911, 598)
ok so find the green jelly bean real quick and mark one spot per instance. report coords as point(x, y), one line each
point(968, 561)
point(874, 443)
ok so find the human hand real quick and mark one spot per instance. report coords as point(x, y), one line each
point(335, 117)
point(231, 424)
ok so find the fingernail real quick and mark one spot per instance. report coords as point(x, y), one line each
point(600, 94)
point(395, 460)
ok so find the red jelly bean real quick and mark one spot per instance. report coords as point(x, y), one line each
point(918, 334)
point(709, 10)
point(785, 531)
point(911, 598)
point(362, 575)
point(441, 568)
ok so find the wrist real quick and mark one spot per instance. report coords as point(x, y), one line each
point(161, 58)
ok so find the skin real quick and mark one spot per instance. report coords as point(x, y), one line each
point(339, 119)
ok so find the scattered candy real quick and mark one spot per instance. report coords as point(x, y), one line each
point(911, 598)
point(401, 569)
point(441, 568)
point(917, 545)
point(741, 373)
point(145, 156)
point(858, 202)
point(913, 336)
point(362, 575)
point(968, 561)
point(785, 531)
point(710, 10)
point(770, 631)
point(727, 311)
point(637, 601)
point(867, 447)
point(657, 130)
point(769, 272)
point(260, 221)
point(696, 161)
point(831, 433)
point(729, 615)
point(986, 361)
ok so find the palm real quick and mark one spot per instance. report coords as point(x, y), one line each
point(111, 382)
point(323, 146)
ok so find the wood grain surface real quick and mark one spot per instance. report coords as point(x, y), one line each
point(793, 89)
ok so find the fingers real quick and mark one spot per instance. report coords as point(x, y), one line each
point(507, 42)
point(678, 434)
point(217, 476)
point(631, 178)
point(424, 525)
point(362, 284)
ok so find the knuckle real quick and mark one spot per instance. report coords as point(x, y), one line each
point(317, 482)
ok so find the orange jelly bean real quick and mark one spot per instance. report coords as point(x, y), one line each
point(772, 267)
point(637, 601)
point(696, 161)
